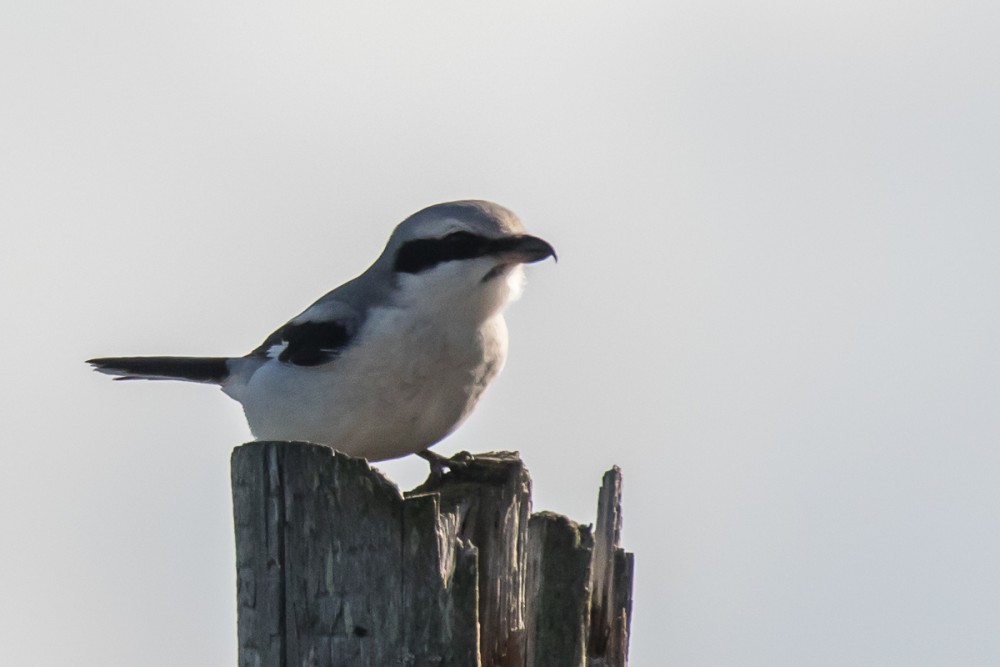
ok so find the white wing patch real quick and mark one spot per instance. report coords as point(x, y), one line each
point(275, 351)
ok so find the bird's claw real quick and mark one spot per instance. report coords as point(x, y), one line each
point(442, 464)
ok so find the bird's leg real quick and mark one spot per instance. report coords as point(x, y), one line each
point(458, 462)
point(440, 463)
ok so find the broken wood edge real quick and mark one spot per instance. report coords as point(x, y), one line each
point(494, 602)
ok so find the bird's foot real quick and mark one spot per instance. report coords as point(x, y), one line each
point(440, 464)
point(437, 463)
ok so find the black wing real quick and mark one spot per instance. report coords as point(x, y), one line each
point(307, 343)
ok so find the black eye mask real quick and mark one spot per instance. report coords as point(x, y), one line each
point(422, 254)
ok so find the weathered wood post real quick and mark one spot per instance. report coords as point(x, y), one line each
point(335, 567)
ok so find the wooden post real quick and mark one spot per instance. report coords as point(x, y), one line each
point(336, 567)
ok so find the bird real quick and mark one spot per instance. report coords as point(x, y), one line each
point(392, 361)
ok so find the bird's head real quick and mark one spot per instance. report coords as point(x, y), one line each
point(461, 255)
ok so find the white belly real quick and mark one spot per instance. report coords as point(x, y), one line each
point(403, 386)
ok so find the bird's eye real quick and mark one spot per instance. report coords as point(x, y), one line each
point(463, 243)
point(422, 254)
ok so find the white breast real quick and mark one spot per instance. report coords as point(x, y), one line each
point(407, 382)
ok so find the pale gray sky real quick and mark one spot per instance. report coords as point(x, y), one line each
point(776, 305)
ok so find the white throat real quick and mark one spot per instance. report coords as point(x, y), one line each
point(459, 292)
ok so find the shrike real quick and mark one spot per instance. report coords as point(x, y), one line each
point(391, 362)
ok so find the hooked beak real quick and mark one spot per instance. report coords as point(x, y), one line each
point(522, 249)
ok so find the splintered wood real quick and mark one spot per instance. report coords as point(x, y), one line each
point(336, 567)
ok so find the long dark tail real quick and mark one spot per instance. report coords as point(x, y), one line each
point(192, 369)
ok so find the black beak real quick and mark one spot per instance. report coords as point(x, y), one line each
point(523, 249)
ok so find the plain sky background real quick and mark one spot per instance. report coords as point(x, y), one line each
point(776, 306)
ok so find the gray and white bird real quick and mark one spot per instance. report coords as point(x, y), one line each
point(391, 362)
